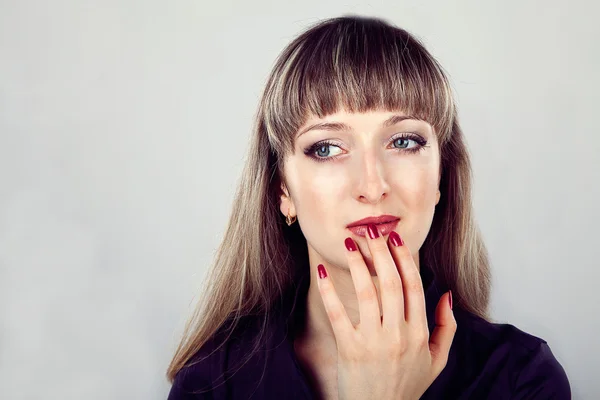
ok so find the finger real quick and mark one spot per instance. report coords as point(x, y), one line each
point(414, 295)
point(336, 312)
point(366, 292)
point(390, 283)
point(443, 334)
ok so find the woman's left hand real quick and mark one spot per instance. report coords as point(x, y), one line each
point(389, 356)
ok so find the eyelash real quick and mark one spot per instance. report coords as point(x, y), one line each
point(422, 143)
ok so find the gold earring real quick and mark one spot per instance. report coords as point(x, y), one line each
point(290, 220)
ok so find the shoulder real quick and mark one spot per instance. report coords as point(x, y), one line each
point(196, 379)
point(208, 373)
point(525, 361)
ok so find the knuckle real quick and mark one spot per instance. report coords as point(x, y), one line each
point(350, 355)
point(399, 348)
point(325, 288)
point(334, 313)
point(404, 255)
point(366, 294)
point(354, 256)
point(356, 262)
point(379, 245)
point(403, 252)
point(422, 340)
point(393, 285)
point(443, 360)
point(439, 364)
point(413, 286)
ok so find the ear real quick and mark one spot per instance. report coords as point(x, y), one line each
point(437, 199)
point(286, 204)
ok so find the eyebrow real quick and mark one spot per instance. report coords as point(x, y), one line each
point(340, 126)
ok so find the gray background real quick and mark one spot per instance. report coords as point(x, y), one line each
point(123, 128)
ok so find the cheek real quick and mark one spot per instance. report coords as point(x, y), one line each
point(417, 192)
point(419, 195)
point(319, 194)
point(417, 187)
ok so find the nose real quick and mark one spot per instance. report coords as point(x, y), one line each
point(371, 185)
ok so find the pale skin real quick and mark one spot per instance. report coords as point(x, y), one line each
point(375, 344)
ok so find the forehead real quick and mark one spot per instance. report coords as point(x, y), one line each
point(352, 121)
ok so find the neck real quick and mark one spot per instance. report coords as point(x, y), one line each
point(317, 327)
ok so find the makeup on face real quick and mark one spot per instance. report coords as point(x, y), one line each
point(405, 134)
point(385, 224)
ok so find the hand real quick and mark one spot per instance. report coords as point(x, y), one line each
point(389, 356)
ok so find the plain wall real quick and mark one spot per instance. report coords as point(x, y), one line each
point(123, 130)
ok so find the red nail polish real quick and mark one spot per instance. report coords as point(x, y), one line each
point(322, 272)
point(350, 245)
point(373, 233)
point(396, 239)
point(450, 299)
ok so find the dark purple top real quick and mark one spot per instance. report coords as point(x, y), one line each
point(486, 360)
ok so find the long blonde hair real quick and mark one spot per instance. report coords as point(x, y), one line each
point(358, 64)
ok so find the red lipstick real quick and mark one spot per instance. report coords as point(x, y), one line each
point(385, 224)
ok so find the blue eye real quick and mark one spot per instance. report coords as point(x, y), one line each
point(404, 142)
point(324, 151)
point(321, 151)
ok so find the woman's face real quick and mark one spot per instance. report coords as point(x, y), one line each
point(358, 165)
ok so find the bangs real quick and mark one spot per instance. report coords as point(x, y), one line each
point(359, 65)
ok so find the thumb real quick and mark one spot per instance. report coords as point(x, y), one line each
point(443, 333)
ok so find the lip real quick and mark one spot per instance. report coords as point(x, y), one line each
point(384, 229)
point(382, 219)
point(385, 224)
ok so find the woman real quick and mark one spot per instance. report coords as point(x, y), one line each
point(381, 288)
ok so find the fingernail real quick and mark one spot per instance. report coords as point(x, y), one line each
point(372, 229)
point(322, 272)
point(396, 239)
point(350, 245)
point(450, 299)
